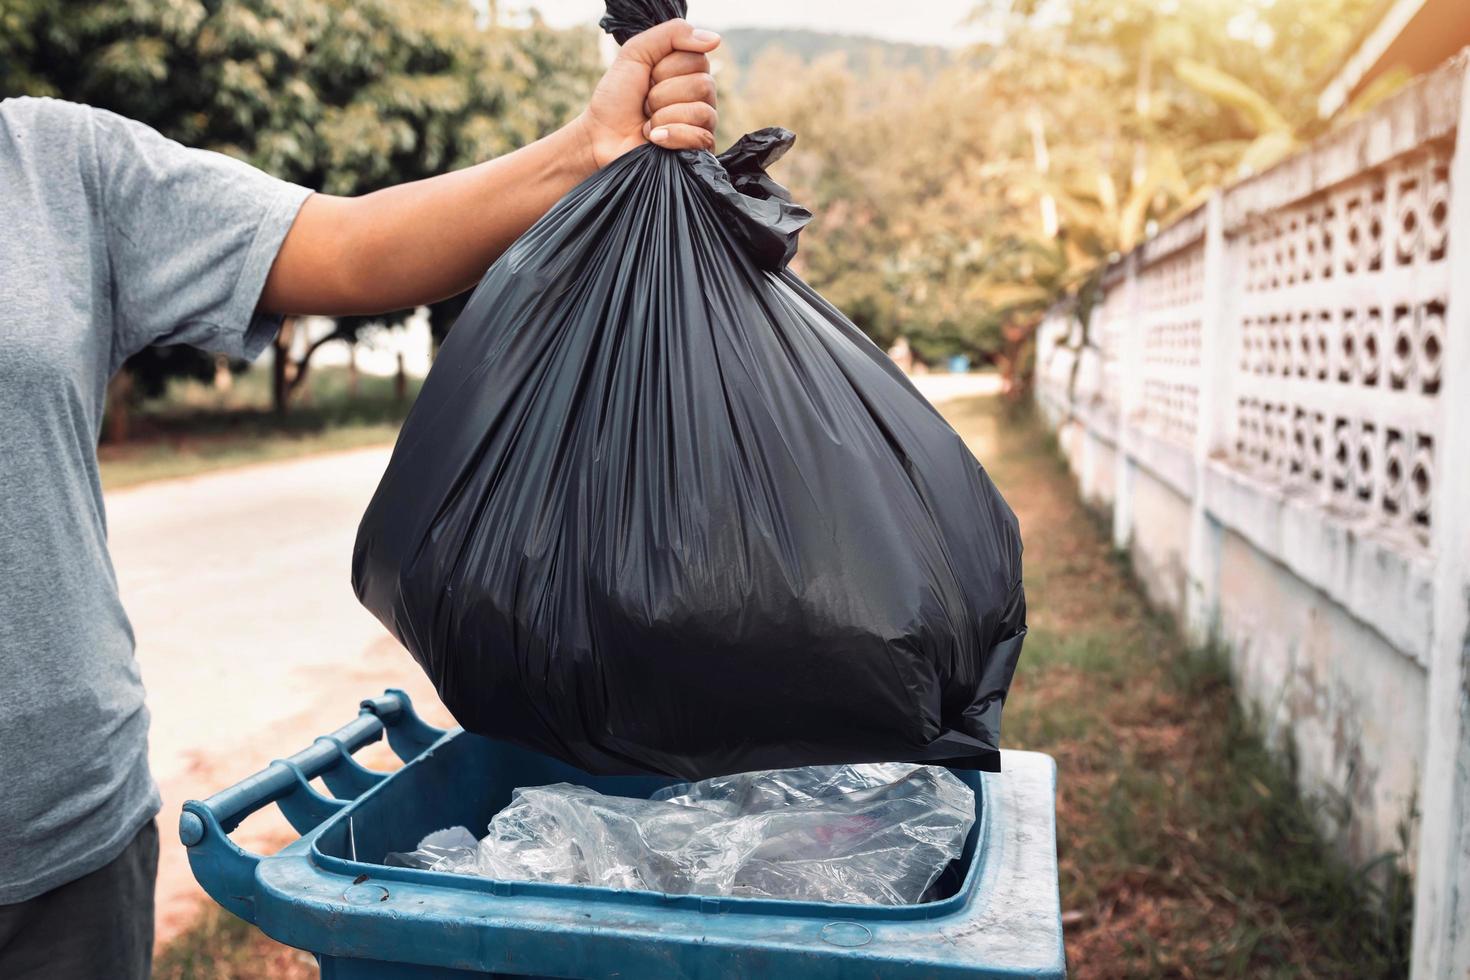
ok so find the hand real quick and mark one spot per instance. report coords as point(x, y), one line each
point(658, 89)
point(426, 240)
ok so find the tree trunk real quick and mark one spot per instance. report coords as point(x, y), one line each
point(296, 375)
point(281, 368)
point(400, 382)
point(224, 380)
point(119, 407)
point(1049, 219)
point(352, 369)
point(1014, 358)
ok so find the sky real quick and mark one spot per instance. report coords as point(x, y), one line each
point(920, 21)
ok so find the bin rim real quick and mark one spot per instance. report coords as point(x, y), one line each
point(712, 904)
point(1003, 924)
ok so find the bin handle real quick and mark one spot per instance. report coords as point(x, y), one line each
point(225, 869)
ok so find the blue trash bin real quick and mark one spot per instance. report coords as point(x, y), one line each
point(998, 913)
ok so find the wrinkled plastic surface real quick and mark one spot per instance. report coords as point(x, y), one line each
point(871, 834)
point(660, 507)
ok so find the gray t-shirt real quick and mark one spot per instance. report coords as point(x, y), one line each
point(112, 239)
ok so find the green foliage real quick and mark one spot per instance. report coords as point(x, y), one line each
point(745, 44)
point(189, 426)
point(958, 199)
point(151, 374)
point(344, 96)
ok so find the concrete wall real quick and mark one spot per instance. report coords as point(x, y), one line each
point(1331, 690)
point(1271, 399)
point(1160, 544)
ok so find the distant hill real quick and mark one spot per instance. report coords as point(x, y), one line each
point(745, 44)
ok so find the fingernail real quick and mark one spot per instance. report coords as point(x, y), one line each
point(659, 135)
point(705, 36)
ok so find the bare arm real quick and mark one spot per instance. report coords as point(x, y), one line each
point(430, 239)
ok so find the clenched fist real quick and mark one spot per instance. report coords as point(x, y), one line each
point(658, 89)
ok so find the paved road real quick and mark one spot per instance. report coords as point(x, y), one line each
point(250, 639)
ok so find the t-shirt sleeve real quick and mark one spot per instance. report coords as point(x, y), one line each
point(191, 236)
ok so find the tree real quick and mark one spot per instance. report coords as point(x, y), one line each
point(347, 96)
point(956, 203)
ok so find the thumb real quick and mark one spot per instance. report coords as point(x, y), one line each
point(657, 43)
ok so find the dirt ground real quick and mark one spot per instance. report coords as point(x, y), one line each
point(1184, 850)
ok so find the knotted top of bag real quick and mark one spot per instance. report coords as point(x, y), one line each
point(759, 211)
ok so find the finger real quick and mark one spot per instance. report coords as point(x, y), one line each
point(701, 115)
point(680, 63)
point(657, 43)
point(685, 88)
point(682, 136)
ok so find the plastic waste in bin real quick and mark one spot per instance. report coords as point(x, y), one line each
point(998, 913)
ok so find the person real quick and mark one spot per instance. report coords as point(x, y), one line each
point(112, 239)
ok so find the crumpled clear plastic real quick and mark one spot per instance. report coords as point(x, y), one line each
point(876, 834)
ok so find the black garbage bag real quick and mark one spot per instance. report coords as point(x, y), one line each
point(661, 508)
